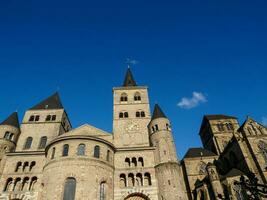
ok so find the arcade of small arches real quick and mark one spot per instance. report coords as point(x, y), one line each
point(135, 180)
point(20, 184)
point(134, 162)
point(25, 167)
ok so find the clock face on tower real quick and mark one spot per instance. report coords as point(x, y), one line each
point(132, 127)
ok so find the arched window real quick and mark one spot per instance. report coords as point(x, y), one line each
point(53, 153)
point(156, 127)
point(8, 184)
point(123, 181)
point(25, 184)
point(97, 152)
point(229, 127)
point(138, 114)
point(220, 127)
point(69, 189)
point(42, 143)
point(65, 150)
point(143, 114)
point(141, 161)
point(103, 188)
point(33, 163)
point(139, 179)
point(126, 115)
point(108, 155)
point(81, 150)
point(147, 179)
point(17, 184)
point(128, 162)
point(124, 97)
point(11, 136)
point(134, 161)
point(33, 183)
point(48, 118)
point(263, 150)
point(137, 96)
point(121, 115)
point(19, 165)
point(31, 119)
point(25, 166)
point(6, 136)
point(54, 117)
point(28, 143)
point(131, 180)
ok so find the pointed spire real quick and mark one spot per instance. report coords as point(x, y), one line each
point(158, 113)
point(129, 79)
point(52, 102)
point(12, 120)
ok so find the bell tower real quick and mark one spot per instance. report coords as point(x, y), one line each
point(131, 113)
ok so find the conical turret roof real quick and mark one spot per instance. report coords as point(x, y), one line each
point(12, 120)
point(129, 79)
point(52, 102)
point(158, 113)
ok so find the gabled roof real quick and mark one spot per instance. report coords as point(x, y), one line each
point(12, 120)
point(52, 102)
point(129, 79)
point(158, 113)
point(198, 152)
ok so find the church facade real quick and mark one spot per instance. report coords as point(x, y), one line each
point(44, 158)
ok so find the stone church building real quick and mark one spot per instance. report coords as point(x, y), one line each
point(45, 158)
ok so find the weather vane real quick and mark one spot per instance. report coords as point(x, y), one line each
point(130, 62)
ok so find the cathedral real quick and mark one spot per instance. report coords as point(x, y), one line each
point(44, 158)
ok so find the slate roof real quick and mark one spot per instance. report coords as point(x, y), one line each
point(215, 117)
point(52, 102)
point(198, 152)
point(234, 172)
point(12, 120)
point(129, 79)
point(158, 113)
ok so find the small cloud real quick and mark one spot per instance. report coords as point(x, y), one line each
point(131, 61)
point(194, 101)
point(264, 121)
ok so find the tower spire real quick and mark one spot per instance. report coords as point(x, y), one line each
point(158, 113)
point(12, 120)
point(52, 102)
point(129, 79)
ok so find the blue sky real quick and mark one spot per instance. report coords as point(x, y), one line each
point(217, 49)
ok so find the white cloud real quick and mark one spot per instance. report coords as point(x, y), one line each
point(131, 61)
point(264, 121)
point(194, 101)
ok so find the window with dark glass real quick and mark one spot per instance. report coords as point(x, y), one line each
point(121, 115)
point(31, 118)
point(28, 143)
point(143, 114)
point(126, 115)
point(97, 152)
point(103, 191)
point(69, 189)
point(54, 117)
point(65, 150)
point(48, 118)
point(43, 141)
point(37, 117)
point(137, 114)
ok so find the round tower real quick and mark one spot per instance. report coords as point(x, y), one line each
point(9, 133)
point(168, 170)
